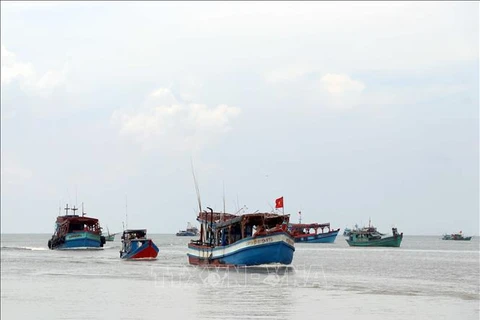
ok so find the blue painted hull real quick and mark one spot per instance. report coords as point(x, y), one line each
point(79, 240)
point(248, 252)
point(318, 238)
point(81, 243)
point(264, 254)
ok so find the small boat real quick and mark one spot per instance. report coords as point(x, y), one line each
point(76, 232)
point(346, 232)
point(241, 240)
point(136, 245)
point(370, 237)
point(191, 231)
point(110, 236)
point(313, 232)
point(456, 236)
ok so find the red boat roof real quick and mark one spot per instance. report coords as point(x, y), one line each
point(310, 225)
point(224, 219)
point(77, 219)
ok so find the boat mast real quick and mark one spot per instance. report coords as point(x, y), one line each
point(223, 214)
point(66, 209)
point(197, 190)
point(83, 211)
point(211, 226)
point(126, 213)
point(74, 209)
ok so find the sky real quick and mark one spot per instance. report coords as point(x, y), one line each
point(349, 110)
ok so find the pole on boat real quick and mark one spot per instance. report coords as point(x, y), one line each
point(223, 214)
point(211, 225)
point(66, 209)
point(126, 212)
point(197, 190)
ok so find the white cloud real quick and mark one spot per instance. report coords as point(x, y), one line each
point(11, 69)
point(337, 84)
point(25, 73)
point(165, 123)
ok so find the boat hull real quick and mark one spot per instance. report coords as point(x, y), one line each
point(394, 241)
point(456, 238)
point(147, 251)
point(80, 240)
point(266, 249)
point(186, 234)
point(328, 237)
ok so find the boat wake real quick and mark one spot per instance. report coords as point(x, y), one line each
point(25, 248)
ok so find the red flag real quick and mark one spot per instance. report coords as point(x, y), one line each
point(279, 203)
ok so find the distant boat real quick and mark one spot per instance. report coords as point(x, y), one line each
point(191, 231)
point(456, 236)
point(76, 232)
point(110, 236)
point(313, 232)
point(241, 240)
point(370, 237)
point(136, 245)
point(346, 232)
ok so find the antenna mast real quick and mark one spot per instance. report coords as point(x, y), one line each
point(197, 190)
point(126, 212)
point(223, 214)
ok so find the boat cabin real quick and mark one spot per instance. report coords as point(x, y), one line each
point(133, 239)
point(221, 229)
point(73, 223)
point(299, 229)
point(134, 234)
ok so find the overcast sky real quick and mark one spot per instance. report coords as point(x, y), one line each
point(347, 110)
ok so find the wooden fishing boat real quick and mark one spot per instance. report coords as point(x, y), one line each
point(241, 240)
point(313, 232)
point(456, 236)
point(76, 232)
point(110, 236)
point(136, 245)
point(191, 231)
point(370, 237)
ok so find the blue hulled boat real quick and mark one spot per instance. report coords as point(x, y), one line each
point(76, 232)
point(136, 245)
point(313, 232)
point(244, 240)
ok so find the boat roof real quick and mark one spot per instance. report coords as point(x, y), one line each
point(78, 219)
point(221, 220)
point(310, 225)
point(135, 231)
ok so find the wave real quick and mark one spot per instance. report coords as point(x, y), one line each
point(25, 248)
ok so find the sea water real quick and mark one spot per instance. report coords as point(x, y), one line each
point(426, 278)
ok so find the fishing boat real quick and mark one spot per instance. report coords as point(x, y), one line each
point(110, 236)
point(191, 231)
point(456, 236)
point(136, 245)
point(346, 232)
point(241, 240)
point(76, 232)
point(313, 232)
point(370, 237)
